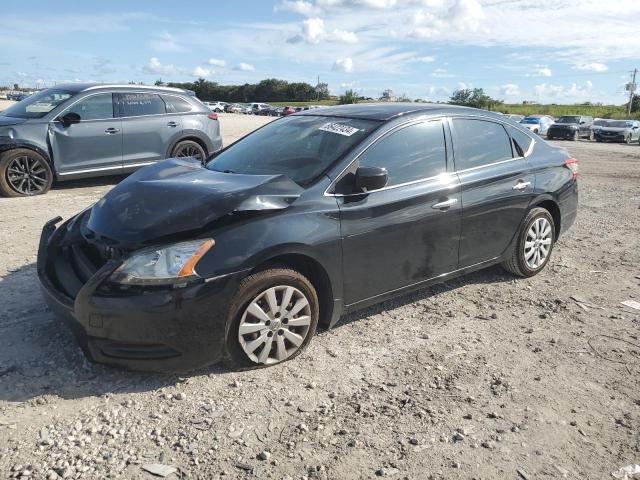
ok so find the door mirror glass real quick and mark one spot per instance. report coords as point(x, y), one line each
point(371, 178)
point(70, 118)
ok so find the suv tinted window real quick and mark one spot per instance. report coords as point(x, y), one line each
point(135, 104)
point(94, 107)
point(410, 153)
point(176, 104)
point(521, 141)
point(479, 142)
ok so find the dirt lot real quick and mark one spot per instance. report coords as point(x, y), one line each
point(483, 377)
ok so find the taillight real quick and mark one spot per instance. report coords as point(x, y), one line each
point(212, 116)
point(572, 164)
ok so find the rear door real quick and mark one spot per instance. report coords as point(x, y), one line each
point(94, 144)
point(146, 128)
point(408, 231)
point(496, 183)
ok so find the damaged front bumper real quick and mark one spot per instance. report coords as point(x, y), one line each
point(153, 329)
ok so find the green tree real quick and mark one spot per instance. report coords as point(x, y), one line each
point(635, 104)
point(475, 98)
point(349, 97)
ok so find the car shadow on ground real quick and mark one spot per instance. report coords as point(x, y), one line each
point(89, 182)
point(39, 356)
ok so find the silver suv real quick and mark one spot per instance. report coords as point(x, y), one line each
point(86, 130)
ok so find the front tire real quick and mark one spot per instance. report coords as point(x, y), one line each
point(576, 136)
point(24, 173)
point(272, 318)
point(188, 148)
point(534, 244)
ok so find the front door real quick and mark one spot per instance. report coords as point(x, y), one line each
point(408, 231)
point(95, 143)
point(496, 184)
point(147, 128)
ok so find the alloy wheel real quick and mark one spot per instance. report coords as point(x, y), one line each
point(27, 175)
point(537, 245)
point(188, 150)
point(275, 324)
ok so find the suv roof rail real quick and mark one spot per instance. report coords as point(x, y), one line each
point(133, 86)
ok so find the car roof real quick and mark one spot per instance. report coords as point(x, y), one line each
point(82, 87)
point(388, 111)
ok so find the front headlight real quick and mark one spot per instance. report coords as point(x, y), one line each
point(163, 266)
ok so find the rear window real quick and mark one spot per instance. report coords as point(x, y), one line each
point(479, 142)
point(176, 104)
point(137, 104)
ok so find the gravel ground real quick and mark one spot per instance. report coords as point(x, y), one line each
point(482, 377)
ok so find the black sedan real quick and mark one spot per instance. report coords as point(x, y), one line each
point(314, 215)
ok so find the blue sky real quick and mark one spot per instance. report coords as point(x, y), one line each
point(547, 50)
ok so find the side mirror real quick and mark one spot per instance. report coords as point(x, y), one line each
point(371, 178)
point(582, 122)
point(70, 118)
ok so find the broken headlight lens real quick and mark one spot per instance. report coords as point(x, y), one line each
point(163, 266)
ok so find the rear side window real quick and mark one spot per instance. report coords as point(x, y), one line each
point(479, 142)
point(521, 141)
point(94, 107)
point(136, 104)
point(410, 153)
point(176, 104)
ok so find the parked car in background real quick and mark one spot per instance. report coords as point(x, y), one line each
point(87, 130)
point(217, 107)
point(246, 109)
point(257, 108)
point(571, 127)
point(626, 131)
point(3, 96)
point(516, 118)
point(597, 124)
point(537, 124)
point(233, 108)
point(305, 219)
point(288, 110)
point(265, 110)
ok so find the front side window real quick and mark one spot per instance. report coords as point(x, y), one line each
point(38, 104)
point(409, 153)
point(302, 148)
point(94, 107)
point(479, 142)
point(137, 104)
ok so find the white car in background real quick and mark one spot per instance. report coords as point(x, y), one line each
point(217, 107)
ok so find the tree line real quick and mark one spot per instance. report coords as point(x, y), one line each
point(269, 90)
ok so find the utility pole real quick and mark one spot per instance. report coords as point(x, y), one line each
point(631, 87)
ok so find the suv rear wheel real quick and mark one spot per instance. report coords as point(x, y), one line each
point(188, 148)
point(272, 318)
point(23, 173)
point(534, 245)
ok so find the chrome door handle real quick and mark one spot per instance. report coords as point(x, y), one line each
point(445, 204)
point(111, 131)
point(521, 185)
point(172, 124)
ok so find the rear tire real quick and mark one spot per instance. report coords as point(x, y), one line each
point(188, 148)
point(628, 140)
point(265, 309)
point(24, 173)
point(529, 256)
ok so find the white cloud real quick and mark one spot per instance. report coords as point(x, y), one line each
point(342, 36)
point(343, 65)
point(201, 72)
point(164, 42)
point(510, 90)
point(593, 67)
point(217, 62)
point(425, 59)
point(544, 72)
point(376, 4)
point(441, 73)
point(245, 67)
point(154, 66)
point(440, 92)
point(549, 91)
point(297, 6)
point(313, 30)
point(466, 15)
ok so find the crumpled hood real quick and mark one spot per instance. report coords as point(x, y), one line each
point(178, 195)
point(6, 121)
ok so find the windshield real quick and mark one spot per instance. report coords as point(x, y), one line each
point(619, 124)
point(38, 104)
point(301, 148)
point(530, 120)
point(569, 119)
point(599, 123)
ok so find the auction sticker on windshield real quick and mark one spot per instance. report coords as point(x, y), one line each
point(338, 128)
